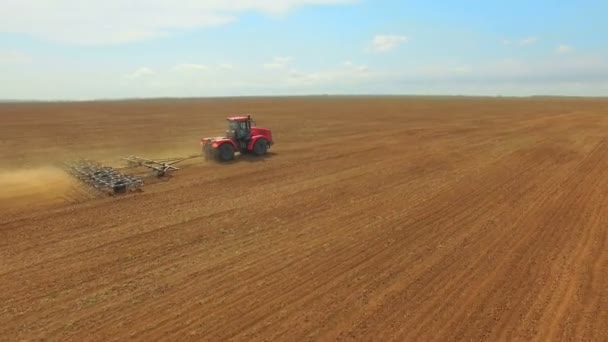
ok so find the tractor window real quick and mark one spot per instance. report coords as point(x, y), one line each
point(239, 125)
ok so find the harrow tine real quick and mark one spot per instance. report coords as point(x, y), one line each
point(102, 178)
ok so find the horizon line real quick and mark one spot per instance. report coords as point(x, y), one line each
point(156, 98)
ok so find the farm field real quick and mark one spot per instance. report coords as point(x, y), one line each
point(372, 218)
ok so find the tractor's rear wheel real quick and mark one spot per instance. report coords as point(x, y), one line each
point(225, 152)
point(260, 147)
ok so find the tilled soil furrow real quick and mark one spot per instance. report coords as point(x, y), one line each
point(372, 218)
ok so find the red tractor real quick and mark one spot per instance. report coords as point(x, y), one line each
point(242, 136)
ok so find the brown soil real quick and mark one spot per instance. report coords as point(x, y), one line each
point(371, 219)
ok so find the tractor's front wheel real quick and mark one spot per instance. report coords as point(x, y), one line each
point(260, 147)
point(225, 152)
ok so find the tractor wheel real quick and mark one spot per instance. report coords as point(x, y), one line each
point(225, 152)
point(260, 147)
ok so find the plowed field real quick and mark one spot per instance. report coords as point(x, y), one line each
point(380, 218)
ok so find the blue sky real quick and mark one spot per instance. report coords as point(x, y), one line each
point(68, 49)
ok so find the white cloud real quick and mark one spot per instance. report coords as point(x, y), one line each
point(356, 68)
point(563, 49)
point(189, 67)
point(384, 43)
point(348, 73)
point(585, 76)
point(564, 70)
point(118, 21)
point(278, 63)
point(226, 66)
point(297, 78)
point(568, 74)
point(13, 57)
point(362, 68)
point(285, 78)
point(443, 71)
point(141, 73)
point(522, 41)
point(528, 40)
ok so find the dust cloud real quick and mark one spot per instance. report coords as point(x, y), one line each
point(34, 186)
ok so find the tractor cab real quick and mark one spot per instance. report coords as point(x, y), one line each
point(239, 129)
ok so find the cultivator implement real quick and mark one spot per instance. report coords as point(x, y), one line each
point(159, 168)
point(103, 178)
point(108, 179)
